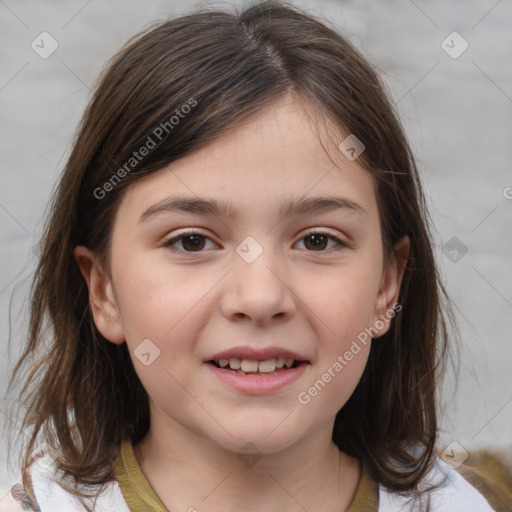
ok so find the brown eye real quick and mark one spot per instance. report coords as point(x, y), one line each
point(315, 241)
point(318, 241)
point(190, 242)
point(193, 242)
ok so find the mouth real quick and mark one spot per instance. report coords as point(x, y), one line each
point(254, 367)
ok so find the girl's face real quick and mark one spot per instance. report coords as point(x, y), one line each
point(279, 273)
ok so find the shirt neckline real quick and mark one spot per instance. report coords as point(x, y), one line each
point(140, 496)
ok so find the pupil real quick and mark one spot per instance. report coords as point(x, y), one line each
point(317, 242)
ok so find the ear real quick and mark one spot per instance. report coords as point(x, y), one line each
point(101, 297)
point(389, 289)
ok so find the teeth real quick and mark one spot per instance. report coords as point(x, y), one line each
point(253, 366)
point(267, 366)
point(234, 363)
point(249, 365)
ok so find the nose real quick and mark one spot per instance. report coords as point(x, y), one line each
point(259, 290)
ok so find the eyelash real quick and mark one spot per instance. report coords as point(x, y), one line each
point(169, 243)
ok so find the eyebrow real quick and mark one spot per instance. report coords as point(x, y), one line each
point(207, 206)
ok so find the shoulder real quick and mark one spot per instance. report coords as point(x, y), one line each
point(19, 498)
point(43, 493)
point(450, 493)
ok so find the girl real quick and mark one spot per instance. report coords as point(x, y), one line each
point(238, 286)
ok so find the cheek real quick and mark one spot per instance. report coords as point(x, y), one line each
point(161, 309)
point(340, 305)
point(342, 300)
point(157, 299)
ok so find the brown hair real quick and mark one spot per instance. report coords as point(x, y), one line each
point(226, 67)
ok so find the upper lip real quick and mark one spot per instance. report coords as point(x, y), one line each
point(258, 354)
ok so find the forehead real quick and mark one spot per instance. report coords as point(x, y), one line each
point(270, 164)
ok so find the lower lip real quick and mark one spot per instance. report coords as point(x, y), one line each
point(258, 384)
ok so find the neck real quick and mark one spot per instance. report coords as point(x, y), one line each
point(311, 474)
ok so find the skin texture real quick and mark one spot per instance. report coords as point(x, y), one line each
point(191, 305)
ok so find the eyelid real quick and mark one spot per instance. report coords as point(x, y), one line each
point(183, 234)
point(325, 231)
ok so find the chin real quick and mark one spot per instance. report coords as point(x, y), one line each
point(259, 438)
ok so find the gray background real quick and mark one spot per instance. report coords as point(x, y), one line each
point(457, 113)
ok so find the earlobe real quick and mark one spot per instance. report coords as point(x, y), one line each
point(389, 290)
point(102, 302)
